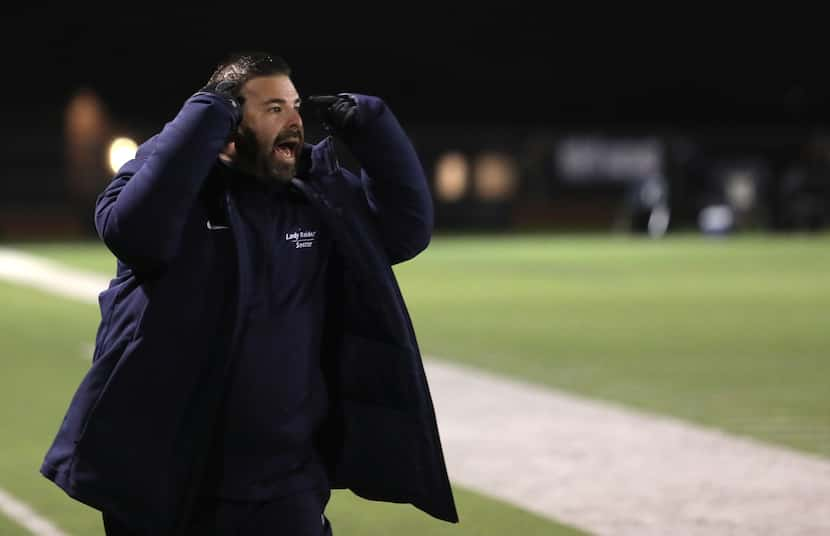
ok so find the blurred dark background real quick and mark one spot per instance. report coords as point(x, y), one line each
point(608, 119)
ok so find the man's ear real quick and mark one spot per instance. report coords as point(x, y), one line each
point(228, 152)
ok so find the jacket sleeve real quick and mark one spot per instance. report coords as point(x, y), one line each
point(393, 180)
point(141, 214)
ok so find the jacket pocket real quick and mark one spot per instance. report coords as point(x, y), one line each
point(383, 433)
point(382, 453)
point(124, 316)
point(106, 304)
point(376, 372)
point(121, 309)
point(94, 384)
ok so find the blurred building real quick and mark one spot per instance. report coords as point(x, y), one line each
point(498, 178)
point(627, 181)
point(574, 129)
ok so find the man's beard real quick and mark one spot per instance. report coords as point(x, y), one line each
point(281, 172)
point(257, 158)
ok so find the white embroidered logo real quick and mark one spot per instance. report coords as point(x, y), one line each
point(302, 239)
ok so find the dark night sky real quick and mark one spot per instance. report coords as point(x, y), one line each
point(713, 75)
point(494, 65)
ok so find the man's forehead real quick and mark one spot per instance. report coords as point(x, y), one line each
point(270, 87)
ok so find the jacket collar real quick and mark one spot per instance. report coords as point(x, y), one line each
point(317, 160)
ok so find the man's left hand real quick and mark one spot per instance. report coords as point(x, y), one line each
point(338, 113)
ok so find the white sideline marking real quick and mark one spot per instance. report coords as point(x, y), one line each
point(610, 470)
point(23, 515)
point(53, 277)
point(603, 468)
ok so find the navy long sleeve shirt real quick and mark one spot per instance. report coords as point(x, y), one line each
point(276, 400)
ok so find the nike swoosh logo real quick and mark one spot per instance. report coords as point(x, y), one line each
point(212, 227)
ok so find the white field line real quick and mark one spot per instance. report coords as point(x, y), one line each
point(49, 276)
point(22, 514)
point(597, 466)
point(609, 470)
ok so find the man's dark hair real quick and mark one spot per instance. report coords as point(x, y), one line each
point(239, 67)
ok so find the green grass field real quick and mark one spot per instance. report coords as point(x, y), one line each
point(728, 333)
point(46, 349)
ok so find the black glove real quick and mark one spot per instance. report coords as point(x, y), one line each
point(337, 113)
point(227, 90)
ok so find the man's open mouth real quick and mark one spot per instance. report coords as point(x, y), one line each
point(287, 149)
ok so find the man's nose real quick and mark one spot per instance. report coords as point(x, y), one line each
point(295, 119)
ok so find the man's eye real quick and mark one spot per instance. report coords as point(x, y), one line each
point(275, 109)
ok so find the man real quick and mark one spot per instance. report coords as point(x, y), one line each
point(254, 349)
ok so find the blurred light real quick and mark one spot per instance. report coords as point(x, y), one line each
point(496, 176)
point(658, 222)
point(716, 219)
point(741, 190)
point(122, 150)
point(451, 176)
point(86, 134)
point(85, 117)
